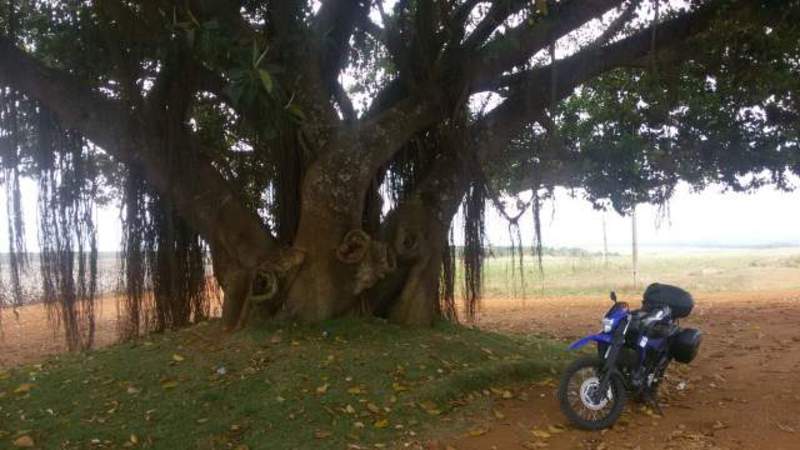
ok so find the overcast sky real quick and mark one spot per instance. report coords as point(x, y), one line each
point(710, 217)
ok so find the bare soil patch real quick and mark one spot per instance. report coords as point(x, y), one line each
point(741, 392)
point(28, 337)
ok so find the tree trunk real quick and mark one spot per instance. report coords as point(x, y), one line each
point(419, 239)
point(341, 261)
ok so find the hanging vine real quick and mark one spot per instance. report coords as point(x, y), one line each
point(164, 272)
point(67, 231)
point(474, 228)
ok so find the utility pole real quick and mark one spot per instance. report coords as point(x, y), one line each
point(605, 242)
point(635, 248)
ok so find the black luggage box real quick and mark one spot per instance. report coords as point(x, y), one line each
point(678, 300)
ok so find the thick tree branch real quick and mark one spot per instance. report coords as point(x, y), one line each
point(498, 13)
point(519, 44)
point(334, 25)
point(373, 29)
point(388, 131)
point(142, 28)
point(209, 206)
point(617, 24)
point(462, 13)
point(529, 95)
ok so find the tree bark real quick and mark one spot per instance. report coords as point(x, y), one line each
point(417, 232)
point(418, 238)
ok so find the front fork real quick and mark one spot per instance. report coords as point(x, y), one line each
point(612, 354)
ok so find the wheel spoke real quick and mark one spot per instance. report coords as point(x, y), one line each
point(580, 391)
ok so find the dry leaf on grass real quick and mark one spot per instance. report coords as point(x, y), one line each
point(24, 441)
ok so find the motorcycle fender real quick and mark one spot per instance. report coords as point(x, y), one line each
point(599, 338)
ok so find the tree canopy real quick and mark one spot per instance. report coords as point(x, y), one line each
point(318, 151)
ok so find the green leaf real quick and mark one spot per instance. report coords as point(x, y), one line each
point(296, 111)
point(266, 80)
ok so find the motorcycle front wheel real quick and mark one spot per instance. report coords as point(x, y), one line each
point(580, 401)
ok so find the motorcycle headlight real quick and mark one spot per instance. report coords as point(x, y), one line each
point(608, 325)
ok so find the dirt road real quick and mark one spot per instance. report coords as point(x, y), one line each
point(742, 392)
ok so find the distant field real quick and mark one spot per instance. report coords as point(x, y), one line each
point(697, 271)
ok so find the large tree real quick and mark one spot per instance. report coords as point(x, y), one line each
point(321, 150)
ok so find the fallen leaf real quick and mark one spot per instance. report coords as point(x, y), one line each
point(177, 358)
point(322, 434)
point(373, 408)
point(430, 407)
point(541, 434)
point(479, 431)
point(169, 384)
point(383, 423)
point(24, 441)
point(322, 389)
point(24, 388)
point(399, 387)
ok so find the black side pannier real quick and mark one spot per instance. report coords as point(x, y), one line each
point(678, 300)
point(684, 345)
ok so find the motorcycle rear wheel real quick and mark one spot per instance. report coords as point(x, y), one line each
point(577, 395)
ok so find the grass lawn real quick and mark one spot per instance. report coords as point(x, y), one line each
point(732, 270)
point(347, 382)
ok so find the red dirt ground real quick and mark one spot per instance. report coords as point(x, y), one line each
point(742, 391)
point(28, 337)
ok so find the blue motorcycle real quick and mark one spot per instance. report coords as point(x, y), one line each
point(634, 349)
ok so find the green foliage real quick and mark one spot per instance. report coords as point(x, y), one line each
point(342, 382)
point(729, 114)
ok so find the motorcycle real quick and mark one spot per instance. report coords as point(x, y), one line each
point(634, 349)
